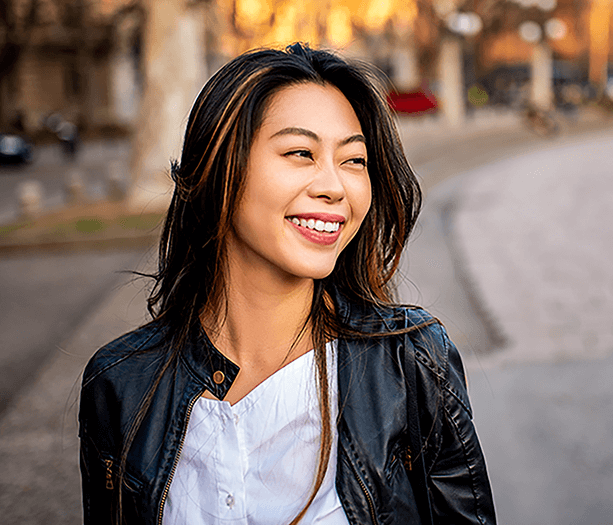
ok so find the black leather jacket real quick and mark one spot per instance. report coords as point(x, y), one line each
point(408, 452)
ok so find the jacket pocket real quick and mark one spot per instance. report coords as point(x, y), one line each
point(400, 457)
point(132, 504)
point(110, 467)
point(400, 503)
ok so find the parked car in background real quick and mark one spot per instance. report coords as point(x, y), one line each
point(14, 149)
point(416, 102)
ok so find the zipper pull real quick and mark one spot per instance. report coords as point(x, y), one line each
point(109, 474)
point(408, 462)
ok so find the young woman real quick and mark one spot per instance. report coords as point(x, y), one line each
point(278, 382)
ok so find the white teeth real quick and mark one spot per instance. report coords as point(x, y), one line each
point(318, 225)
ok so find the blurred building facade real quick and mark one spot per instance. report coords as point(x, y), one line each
point(82, 58)
point(66, 57)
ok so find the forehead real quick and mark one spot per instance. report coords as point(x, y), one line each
point(320, 108)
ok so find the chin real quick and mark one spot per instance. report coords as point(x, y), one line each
point(313, 272)
point(322, 275)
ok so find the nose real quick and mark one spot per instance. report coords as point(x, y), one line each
point(327, 184)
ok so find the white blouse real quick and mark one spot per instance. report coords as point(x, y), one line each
point(254, 462)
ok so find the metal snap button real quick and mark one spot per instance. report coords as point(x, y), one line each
point(218, 377)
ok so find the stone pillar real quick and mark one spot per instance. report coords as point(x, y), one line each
point(124, 86)
point(405, 66)
point(174, 70)
point(451, 80)
point(75, 187)
point(124, 89)
point(30, 197)
point(541, 93)
point(116, 181)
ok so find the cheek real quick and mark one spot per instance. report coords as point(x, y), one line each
point(360, 195)
point(270, 191)
point(362, 199)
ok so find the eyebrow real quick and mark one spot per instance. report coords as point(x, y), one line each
point(358, 137)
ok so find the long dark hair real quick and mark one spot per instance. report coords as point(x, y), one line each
point(209, 181)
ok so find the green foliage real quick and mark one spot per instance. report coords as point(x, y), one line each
point(89, 225)
point(140, 222)
point(7, 229)
point(477, 96)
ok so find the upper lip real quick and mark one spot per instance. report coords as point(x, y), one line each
point(326, 217)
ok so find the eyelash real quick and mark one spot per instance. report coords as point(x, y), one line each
point(309, 155)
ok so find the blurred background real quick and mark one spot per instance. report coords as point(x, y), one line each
point(505, 110)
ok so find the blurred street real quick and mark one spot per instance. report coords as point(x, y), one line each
point(43, 299)
point(539, 412)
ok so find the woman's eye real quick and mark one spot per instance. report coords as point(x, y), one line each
point(358, 160)
point(304, 153)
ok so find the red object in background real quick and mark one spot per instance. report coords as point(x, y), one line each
point(414, 102)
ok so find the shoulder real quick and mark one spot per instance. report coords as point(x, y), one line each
point(115, 381)
point(424, 338)
point(133, 349)
point(436, 355)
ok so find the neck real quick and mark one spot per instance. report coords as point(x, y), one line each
point(265, 318)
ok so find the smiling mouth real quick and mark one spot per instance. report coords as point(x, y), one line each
point(316, 224)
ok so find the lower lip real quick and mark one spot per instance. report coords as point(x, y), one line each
point(323, 238)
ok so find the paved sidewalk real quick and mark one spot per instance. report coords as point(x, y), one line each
point(40, 480)
point(535, 233)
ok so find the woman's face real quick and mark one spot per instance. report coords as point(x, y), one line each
point(307, 186)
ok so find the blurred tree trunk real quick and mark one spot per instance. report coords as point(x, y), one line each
point(83, 61)
point(11, 43)
point(600, 26)
point(541, 94)
point(451, 80)
point(174, 69)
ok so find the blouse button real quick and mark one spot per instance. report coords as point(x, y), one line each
point(230, 500)
point(218, 377)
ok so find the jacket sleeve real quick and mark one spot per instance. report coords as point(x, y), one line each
point(98, 470)
point(457, 477)
point(97, 486)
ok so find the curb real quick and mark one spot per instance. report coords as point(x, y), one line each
point(497, 338)
point(73, 245)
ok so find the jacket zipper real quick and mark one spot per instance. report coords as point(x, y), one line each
point(371, 504)
point(176, 460)
point(408, 461)
point(109, 474)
